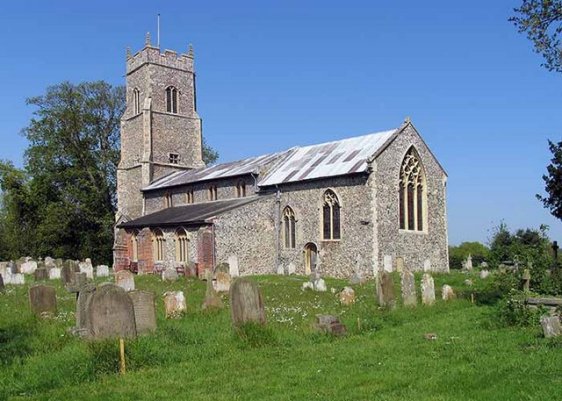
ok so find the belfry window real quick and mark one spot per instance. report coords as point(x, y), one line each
point(136, 101)
point(412, 193)
point(331, 216)
point(171, 100)
point(289, 227)
point(174, 158)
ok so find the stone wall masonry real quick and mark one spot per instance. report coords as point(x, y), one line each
point(414, 247)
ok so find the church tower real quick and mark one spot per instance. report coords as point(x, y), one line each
point(160, 129)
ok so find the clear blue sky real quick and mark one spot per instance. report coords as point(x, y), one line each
point(276, 74)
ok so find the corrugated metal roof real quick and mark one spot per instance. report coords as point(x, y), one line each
point(330, 159)
point(223, 170)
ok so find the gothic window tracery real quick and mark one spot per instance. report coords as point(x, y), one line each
point(290, 229)
point(331, 216)
point(158, 245)
point(182, 244)
point(412, 193)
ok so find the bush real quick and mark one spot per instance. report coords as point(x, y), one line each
point(513, 311)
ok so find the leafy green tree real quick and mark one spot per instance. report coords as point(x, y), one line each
point(553, 182)
point(457, 254)
point(541, 21)
point(210, 155)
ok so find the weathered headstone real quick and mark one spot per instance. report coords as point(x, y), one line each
point(83, 292)
point(356, 278)
point(49, 262)
point(43, 300)
point(169, 274)
point(385, 290)
point(233, 266)
point(467, 263)
point(102, 271)
point(66, 274)
point(110, 313)
point(174, 304)
point(246, 302)
point(399, 264)
point(54, 273)
point(428, 289)
point(1, 283)
point(291, 268)
point(125, 279)
point(447, 293)
point(145, 311)
point(212, 299)
point(86, 267)
point(29, 267)
point(551, 326)
point(59, 263)
point(41, 274)
point(3, 268)
point(16, 279)
point(280, 269)
point(427, 265)
point(408, 282)
point(13, 267)
point(330, 324)
point(222, 283)
point(484, 274)
point(347, 296)
point(387, 263)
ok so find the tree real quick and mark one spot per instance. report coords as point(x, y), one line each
point(210, 155)
point(457, 254)
point(553, 182)
point(541, 21)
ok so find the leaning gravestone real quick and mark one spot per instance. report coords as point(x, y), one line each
point(408, 281)
point(174, 304)
point(233, 266)
point(102, 271)
point(246, 302)
point(110, 313)
point(551, 326)
point(428, 290)
point(42, 300)
point(145, 311)
point(125, 279)
point(385, 290)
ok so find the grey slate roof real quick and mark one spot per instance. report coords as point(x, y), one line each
point(194, 214)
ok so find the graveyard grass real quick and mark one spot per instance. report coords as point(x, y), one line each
point(198, 357)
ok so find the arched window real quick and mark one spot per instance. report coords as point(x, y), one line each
point(412, 193)
point(136, 101)
point(213, 193)
point(168, 201)
point(189, 196)
point(135, 246)
point(171, 100)
point(158, 244)
point(182, 246)
point(331, 216)
point(289, 224)
point(241, 189)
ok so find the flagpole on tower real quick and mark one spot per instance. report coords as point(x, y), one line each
point(158, 32)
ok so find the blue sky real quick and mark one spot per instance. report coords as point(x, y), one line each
point(276, 74)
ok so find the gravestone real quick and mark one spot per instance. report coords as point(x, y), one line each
point(58, 263)
point(125, 279)
point(110, 313)
point(330, 325)
point(41, 274)
point(467, 264)
point(3, 268)
point(1, 283)
point(16, 279)
point(387, 263)
point(427, 265)
point(191, 269)
point(385, 290)
point(174, 304)
point(356, 278)
point(170, 274)
point(43, 300)
point(408, 283)
point(468, 282)
point(83, 293)
point(291, 268)
point(428, 290)
point(54, 273)
point(246, 302)
point(484, 274)
point(222, 283)
point(66, 274)
point(86, 267)
point(399, 264)
point(212, 299)
point(280, 269)
point(145, 311)
point(102, 271)
point(447, 293)
point(526, 279)
point(551, 326)
point(28, 267)
point(347, 296)
point(49, 262)
point(233, 266)
point(13, 267)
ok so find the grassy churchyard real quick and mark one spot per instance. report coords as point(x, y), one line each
point(385, 356)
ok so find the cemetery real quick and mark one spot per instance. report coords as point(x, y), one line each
point(400, 336)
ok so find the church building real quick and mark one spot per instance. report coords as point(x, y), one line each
point(360, 204)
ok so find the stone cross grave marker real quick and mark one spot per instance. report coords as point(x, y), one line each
point(145, 311)
point(125, 279)
point(428, 290)
point(246, 302)
point(110, 313)
point(385, 290)
point(408, 284)
point(43, 300)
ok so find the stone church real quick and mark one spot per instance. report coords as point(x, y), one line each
point(360, 204)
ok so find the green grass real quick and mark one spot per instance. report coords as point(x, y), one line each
point(199, 357)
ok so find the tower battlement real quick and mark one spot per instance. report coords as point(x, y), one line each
point(152, 55)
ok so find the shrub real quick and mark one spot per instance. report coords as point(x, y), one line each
point(513, 311)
